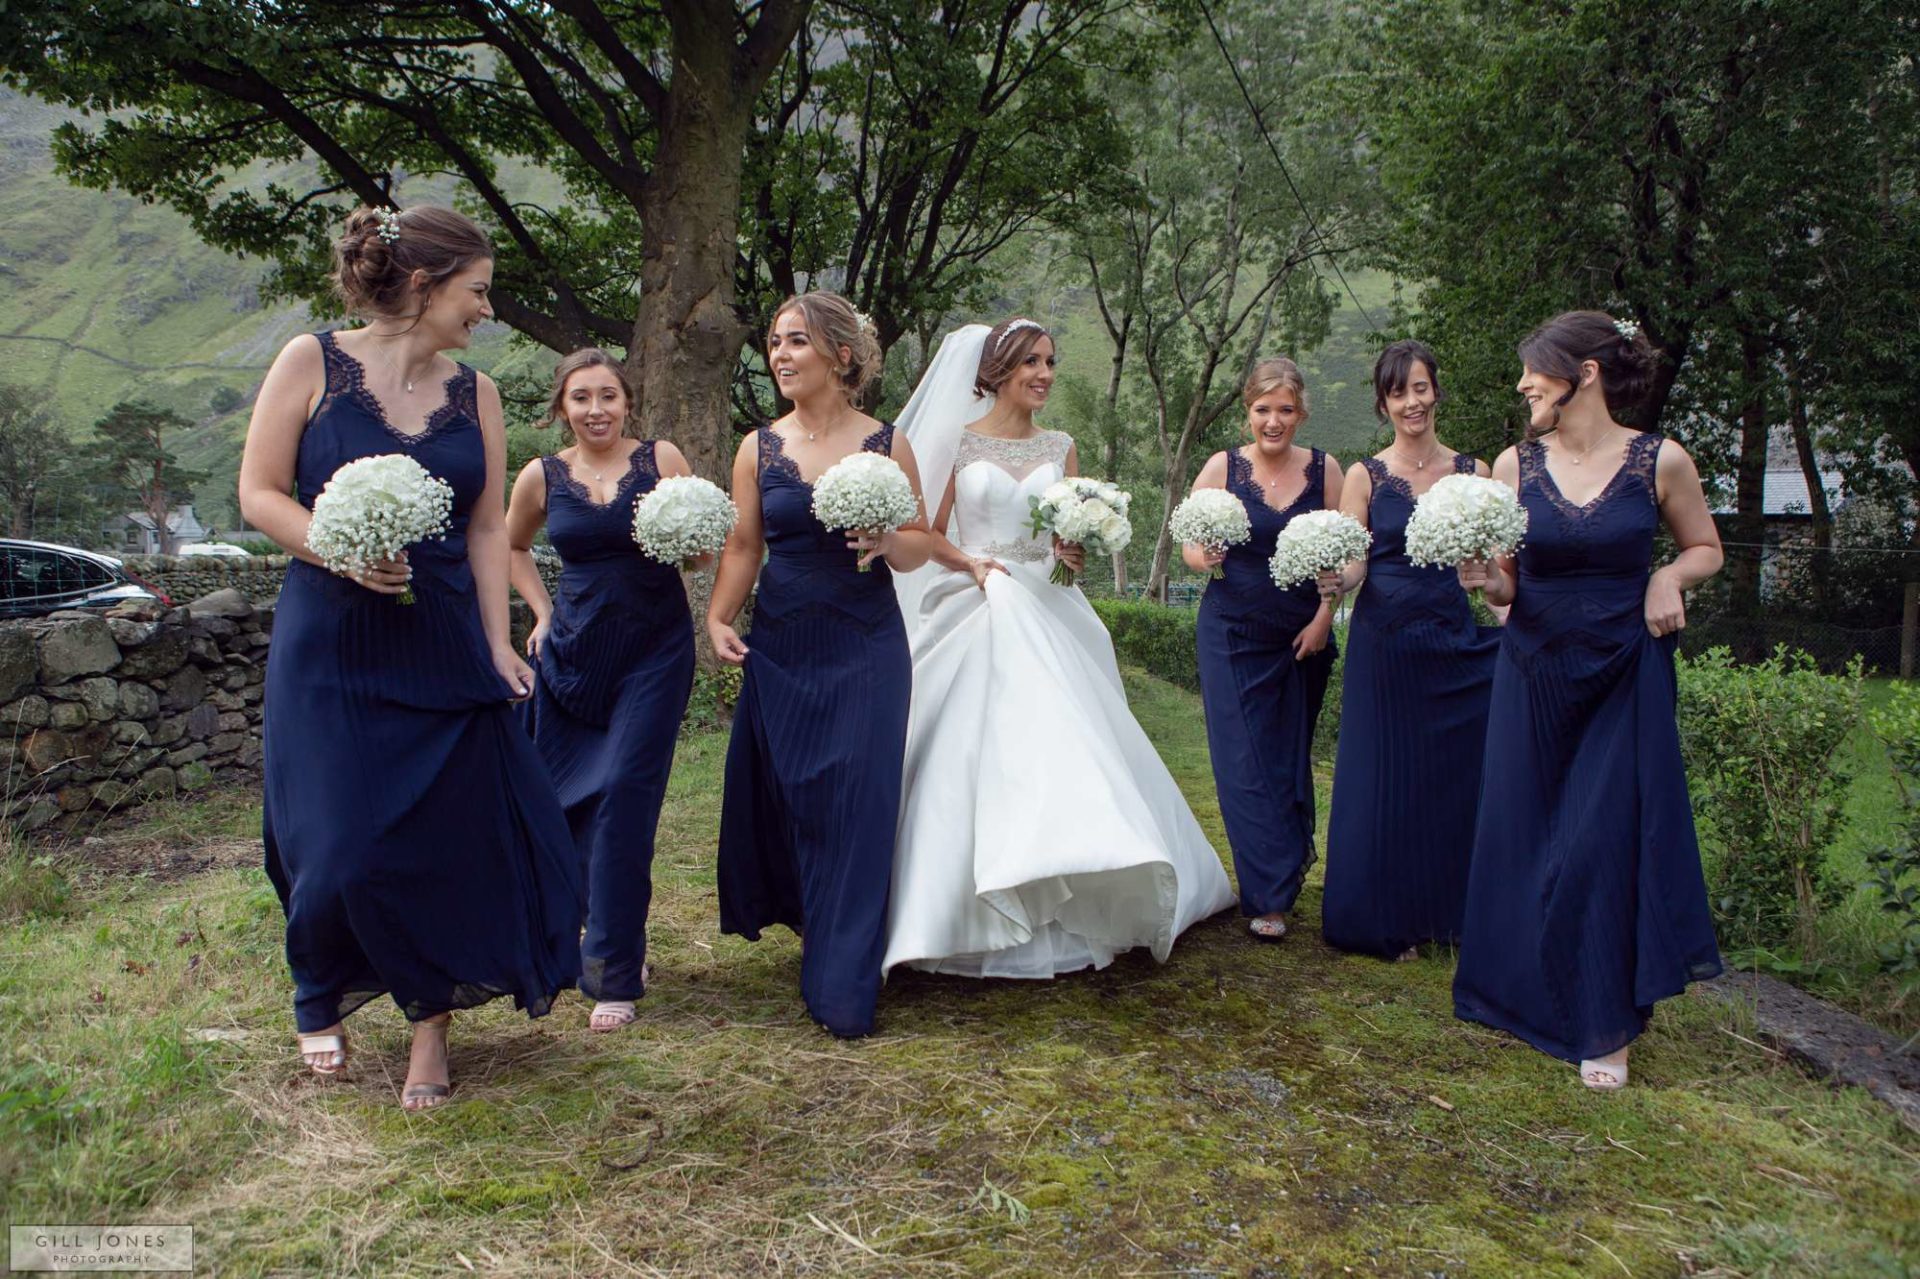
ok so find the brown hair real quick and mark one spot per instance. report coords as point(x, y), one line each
point(373, 274)
point(1006, 349)
point(1270, 375)
point(832, 323)
point(587, 357)
point(1394, 368)
point(1560, 346)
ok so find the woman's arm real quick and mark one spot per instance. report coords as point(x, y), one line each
point(287, 398)
point(487, 542)
point(1204, 559)
point(1356, 496)
point(740, 558)
point(1683, 506)
point(1495, 579)
point(526, 512)
point(906, 548)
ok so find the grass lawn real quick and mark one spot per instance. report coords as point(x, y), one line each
point(1242, 1110)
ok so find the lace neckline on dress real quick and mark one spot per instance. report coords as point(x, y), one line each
point(456, 392)
point(774, 457)
point(1018, 457)
point(640, 463)
point(1642, 451)
point(1240, 480)
point(1383, 476)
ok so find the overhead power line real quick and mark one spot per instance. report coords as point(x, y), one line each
point(1261, 123)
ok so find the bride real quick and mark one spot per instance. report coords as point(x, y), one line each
point(1039, 832)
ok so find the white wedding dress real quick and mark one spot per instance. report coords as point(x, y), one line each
point(1039, 831)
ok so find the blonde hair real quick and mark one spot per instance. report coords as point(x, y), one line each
point(832, 323)
point(1269, 375)
point(587, 357)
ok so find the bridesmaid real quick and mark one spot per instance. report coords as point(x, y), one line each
point(1585, 903)
point(1265, 653)
point(1413, 718)
point(615, 661)
point(416, 843)
point(813, 770)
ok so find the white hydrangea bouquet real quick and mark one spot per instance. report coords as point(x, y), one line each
point(1316, 543)
point(1088, 512)
point(1465, 517)
point(683, 518)
point(865, 492)
point(375, 507)
point(1211, 518)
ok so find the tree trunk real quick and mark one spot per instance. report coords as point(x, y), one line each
point(1817, 505)
point(1749, 520)
point(1110, 426)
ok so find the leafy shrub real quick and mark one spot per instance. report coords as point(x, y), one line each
point(715, 691)
point(1895, 868)
point(1762, 743)
point(1158, 638)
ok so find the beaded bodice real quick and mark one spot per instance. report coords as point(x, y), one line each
point(993, 480)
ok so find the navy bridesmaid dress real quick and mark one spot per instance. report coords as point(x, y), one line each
point(614, 676)
point(1413, 724)
point(415, 841)
point(814, 765)
point(1585, 902)
point(1261, 704)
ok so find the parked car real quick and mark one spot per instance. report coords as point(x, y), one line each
point(37, 577)
point(220, 550)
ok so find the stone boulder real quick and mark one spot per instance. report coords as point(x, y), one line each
point(77, 644)
point(19, 661)
point(223, 603)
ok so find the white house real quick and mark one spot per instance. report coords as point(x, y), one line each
point(134, 534)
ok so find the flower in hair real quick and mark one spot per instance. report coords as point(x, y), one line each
point(1628, 329)
point(389, 220)
point(865, 322)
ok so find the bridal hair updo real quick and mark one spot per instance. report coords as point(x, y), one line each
point(587, 357)
point(1007, 347)
point(833, 324)
point(1395, 366)
point(376, 256)
point(1627, 360)
point(1269, 375)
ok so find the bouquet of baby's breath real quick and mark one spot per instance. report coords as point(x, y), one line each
point(867, 493)
point(1465, 517)
point(1315, 543)
point(1087, 512)
point(375, 507)
point(683, 518)
point(1211, 518)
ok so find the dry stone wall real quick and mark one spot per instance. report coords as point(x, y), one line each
point(99, 711)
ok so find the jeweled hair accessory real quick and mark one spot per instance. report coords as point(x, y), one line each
point(1627, 329)
point(1014, 326)
point(865, 322)
point(389, 220)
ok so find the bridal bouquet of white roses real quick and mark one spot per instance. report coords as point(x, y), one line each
point(1091, 513)
point(683, 518)
point(1316, 543)
point(1212, 518)
point(1465, 517)
point(865, 492)
point(375, 507)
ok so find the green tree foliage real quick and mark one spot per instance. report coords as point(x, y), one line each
point(49, 490)
point(1216, 258)
point(1894, 869)
point(1736, 175)
point(133, 449)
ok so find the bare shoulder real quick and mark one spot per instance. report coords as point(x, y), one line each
point(1213, 475)
point(669, 460)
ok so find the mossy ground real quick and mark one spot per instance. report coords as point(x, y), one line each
point(1241, 1110)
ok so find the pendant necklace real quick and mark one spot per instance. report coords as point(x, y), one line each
point(405, 381)
point(1421, 465)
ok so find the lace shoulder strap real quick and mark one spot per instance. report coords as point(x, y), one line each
point(1061, 444)
point(1533, 457)
point(1239, 474)
point(879, 441)
point(1316, 476)
point(332, 364)
point(1643, 454)
point(1377, 469)
point(465, 392)
point(646, 460)
point(1464, 464)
